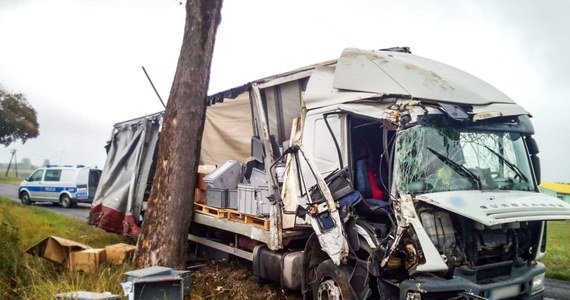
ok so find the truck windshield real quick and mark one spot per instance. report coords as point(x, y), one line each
point(435, 159)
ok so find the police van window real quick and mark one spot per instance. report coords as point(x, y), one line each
point(53, 175)
point(37, 175)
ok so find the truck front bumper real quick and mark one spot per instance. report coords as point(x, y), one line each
point(517, 285)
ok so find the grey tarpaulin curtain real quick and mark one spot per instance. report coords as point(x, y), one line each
point(124, 177)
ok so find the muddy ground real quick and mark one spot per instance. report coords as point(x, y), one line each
point(233, 279)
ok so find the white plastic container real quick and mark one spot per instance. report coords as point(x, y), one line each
point(263, 204)
point(247, 204)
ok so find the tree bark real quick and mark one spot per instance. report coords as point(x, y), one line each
point(164, 233)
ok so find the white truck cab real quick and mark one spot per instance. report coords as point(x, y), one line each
point(66, 185)
point(404, 178)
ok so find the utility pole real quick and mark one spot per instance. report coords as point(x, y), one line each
point(15, 159)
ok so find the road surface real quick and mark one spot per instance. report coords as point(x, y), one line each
point(80, 212)
point(555, 289)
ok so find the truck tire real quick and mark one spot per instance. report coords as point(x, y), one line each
point(65, 201)
point(332, 282)
point(25, 198)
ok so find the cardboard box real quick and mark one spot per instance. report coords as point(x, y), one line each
point(56, 249)
point(119, 253)
point(199, 196)
point(86, 260)
point(203, 170)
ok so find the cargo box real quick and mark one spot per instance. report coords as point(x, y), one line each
point(263, 204)
point(253, 200)
point(56, 249)
point(247, 204)
point(227, 176)
point(217, 197)
point(119, 253)
point(258, 177)
point(232, 199)
point(199, 196)
point(86, 260)
point(156, 283)
point(203, 171)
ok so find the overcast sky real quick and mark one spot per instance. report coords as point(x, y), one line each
point(79, 62)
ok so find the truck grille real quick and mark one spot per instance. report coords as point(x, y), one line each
point(488, 275)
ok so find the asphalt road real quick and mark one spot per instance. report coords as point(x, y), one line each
point(555, 289)
point(80, 212)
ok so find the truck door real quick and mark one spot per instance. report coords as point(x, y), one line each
point(320, 144)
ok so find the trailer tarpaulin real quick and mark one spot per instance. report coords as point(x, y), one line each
point(129, 159)
point(227, 131)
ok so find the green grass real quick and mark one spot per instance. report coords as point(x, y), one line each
point(557, 259)
point(33, 224)
point(11, 179)
point(23, 276)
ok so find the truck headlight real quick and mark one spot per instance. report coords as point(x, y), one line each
point(537, 283)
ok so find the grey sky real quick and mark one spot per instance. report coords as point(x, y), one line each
point(79, 62)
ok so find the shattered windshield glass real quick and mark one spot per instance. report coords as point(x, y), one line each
point(435, 159)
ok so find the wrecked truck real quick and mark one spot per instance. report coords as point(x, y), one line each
point(389, 176)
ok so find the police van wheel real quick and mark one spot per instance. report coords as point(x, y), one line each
point(65, 201)
point(25, 198)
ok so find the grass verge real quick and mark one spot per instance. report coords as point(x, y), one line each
point(11, 180)
point(23, 276)
point(557, 258)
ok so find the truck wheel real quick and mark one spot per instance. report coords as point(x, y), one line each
point(65, 201)
point(25, 198)
point(332, 282)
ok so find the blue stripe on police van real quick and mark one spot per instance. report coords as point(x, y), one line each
point(53, 189)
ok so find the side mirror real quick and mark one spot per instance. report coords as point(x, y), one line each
point(27, 178)
point(531, 145)
point(535, 160)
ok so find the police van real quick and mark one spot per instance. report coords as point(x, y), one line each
point(66, 185)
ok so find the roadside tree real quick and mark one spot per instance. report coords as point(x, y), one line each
point(164, 233)
point(18, 120)
point(26, 164)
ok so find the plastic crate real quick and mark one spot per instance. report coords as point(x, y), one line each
point(232, 199)
point(247, 203)
point(263, 204)
point(258, 177)
point(253, 200)
point(217, 197)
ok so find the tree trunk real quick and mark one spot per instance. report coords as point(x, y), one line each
point(164, 233)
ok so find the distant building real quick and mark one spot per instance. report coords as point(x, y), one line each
point(559, 190)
